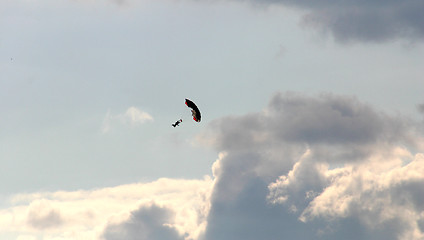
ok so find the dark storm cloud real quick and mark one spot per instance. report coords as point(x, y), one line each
point(274, 180)
point(368, 21)
point(146, 223)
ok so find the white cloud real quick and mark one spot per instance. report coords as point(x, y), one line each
point(41, 215)
point(85, 214)
point(382, 189)
point(131, 117)
point(26, 237)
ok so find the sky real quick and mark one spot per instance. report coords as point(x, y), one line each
point(312, 120)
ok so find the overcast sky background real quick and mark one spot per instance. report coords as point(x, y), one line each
point(312, 119)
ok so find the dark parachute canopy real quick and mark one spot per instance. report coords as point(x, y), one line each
point(194, 110)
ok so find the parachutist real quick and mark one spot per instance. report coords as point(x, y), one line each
point(177, 123)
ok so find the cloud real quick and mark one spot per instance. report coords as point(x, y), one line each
point(131, 117)
point(146, 223)
point(383, 196)
point(41, 215)
point(368, 21)
point(135, 116)
point(172, 206)
point(339, 128)
point(363, 21)
point(326, 167)
point(26, 237)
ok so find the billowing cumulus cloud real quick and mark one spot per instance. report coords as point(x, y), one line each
point(384, 196)
point(166, 207)
point(327, 167)
point(339, 129)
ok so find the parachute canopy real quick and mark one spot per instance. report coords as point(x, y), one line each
point(194, 110)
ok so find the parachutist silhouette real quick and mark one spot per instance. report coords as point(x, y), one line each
point(177, 123)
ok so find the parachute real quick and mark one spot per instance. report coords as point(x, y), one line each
point(194, 110)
